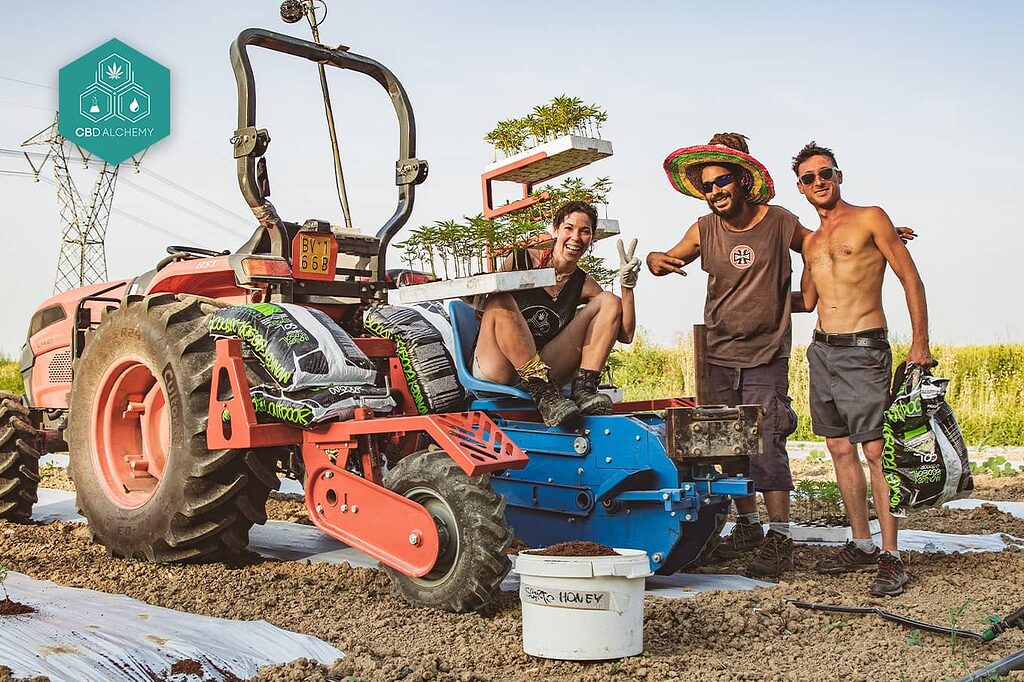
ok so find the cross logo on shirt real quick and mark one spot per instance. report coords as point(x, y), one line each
point(742, 257)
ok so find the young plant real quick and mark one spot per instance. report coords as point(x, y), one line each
point(3, 578)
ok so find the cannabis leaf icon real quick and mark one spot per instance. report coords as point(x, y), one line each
point(114, 72)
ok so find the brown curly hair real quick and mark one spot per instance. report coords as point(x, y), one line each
point(812, 149)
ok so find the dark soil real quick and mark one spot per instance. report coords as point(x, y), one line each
point(576, 548)
point(13, 608)
point(187, 666)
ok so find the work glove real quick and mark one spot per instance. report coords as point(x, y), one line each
point(629, 265)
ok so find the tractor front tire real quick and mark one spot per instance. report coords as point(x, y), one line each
point(137, 422)
point(19, 460)
point(470, 519)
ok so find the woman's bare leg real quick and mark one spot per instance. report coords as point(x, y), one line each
point(587, 340)
point(504, 342)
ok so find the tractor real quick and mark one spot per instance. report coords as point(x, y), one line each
point(170, 463)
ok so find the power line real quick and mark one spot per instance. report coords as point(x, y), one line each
point(18, 80)
point(136, 219)
point(184, 190)
point(163, 199)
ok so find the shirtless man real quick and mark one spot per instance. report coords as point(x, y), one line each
point(850, 361)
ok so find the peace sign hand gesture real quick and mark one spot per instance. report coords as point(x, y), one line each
point(629, 265)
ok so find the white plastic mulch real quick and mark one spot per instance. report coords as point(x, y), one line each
point(81, 635)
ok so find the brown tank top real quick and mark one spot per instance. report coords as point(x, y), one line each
point(749, 281)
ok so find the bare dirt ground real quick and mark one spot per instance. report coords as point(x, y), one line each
point(722, 635)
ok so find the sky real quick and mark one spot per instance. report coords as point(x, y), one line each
point(920, 101)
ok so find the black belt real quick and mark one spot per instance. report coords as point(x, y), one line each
point(869, 338)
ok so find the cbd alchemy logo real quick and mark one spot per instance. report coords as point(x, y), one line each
point(114, 102)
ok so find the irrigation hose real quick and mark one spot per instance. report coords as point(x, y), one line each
point(927, 627)
point(999, 668)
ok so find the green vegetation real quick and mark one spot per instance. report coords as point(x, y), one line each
point(986, 389)
point(561, 116)
point(10, 377)
point(996, 467)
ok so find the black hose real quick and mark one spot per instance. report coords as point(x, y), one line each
point(998, 668)
point(927, 627)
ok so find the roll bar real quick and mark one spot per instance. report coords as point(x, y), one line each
point(250, 142)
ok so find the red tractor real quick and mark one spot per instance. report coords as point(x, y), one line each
point(171, 464)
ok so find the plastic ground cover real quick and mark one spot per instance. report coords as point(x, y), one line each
point(84, 635)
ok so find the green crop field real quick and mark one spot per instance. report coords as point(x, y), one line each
point(986, 387)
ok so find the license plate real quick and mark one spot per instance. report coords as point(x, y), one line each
point(314, 255)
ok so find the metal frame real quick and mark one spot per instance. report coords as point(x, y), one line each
point(251, 142)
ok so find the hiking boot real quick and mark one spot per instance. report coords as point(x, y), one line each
point(773, 558)
point(585, 393)
point(744, 537)
point(891, 577)
point(554, 408)
point(849, 559)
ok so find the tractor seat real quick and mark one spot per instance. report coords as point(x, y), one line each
point(465, 329)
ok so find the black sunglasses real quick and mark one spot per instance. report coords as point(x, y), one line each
point(720, 181)
point(824, 174)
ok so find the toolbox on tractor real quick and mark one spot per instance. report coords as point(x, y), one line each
point(170, 462)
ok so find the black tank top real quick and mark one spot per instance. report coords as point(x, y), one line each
point(547, 315)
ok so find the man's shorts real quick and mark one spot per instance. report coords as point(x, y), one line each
point(849, 384)
point(766, 385)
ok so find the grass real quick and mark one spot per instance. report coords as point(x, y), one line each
point(10, 378)
point(986, 389)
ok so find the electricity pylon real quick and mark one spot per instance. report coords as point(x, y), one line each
point(83, 256)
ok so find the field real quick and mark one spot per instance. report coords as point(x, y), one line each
point(986, 389)
point(719, 635)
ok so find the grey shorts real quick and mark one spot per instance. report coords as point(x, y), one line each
point(766, 385)
point(849, 390)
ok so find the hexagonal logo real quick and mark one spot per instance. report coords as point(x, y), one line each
point(114, 101)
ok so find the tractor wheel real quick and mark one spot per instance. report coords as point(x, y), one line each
point(137, 437)
point(19, 460)
point(474, 535)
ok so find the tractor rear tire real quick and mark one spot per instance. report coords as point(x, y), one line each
point(19, 460)
point(143, 475)
point(475, 537)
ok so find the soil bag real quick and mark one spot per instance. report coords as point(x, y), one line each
point(425, 347)
point(300, 347)
point(314, 406)
point(923, 456)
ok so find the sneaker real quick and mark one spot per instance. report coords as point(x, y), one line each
point(744, 537)
point(554, 408)
point(585, 393)
point(849, 559)
point(891, 577)
point(773, 558)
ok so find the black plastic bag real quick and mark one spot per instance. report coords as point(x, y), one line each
point(423, 338)
point(300, 347)
point(923, 456)
point(314, 406)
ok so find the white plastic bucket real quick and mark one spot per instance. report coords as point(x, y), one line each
point(583, 608)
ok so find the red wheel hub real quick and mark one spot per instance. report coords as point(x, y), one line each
point(130, 431)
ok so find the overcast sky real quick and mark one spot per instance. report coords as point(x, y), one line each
point(920, 101)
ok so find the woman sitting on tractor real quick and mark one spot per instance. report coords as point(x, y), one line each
point(539, 338)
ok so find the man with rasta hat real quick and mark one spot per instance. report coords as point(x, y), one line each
point(744, 246)
point(850, 360)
